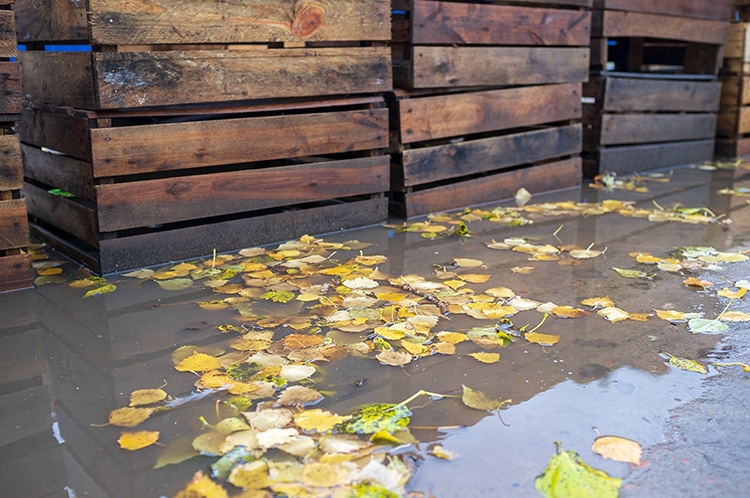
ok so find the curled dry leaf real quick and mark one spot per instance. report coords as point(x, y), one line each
point(613, 314)
point(394, 358)
point(618, 448)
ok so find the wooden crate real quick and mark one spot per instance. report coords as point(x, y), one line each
point(171, 52)
point(449, 44)
point(684, 36)
point(733, 129)
point(469, 147)
point(175, 183)
point(635, 121)
point(15, 261)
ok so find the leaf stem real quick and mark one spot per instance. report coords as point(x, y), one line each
point(544, 319)
point(725, 309)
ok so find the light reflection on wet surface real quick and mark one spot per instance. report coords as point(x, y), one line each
point(66, 362)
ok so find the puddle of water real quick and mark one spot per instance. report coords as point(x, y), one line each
point(66, 362)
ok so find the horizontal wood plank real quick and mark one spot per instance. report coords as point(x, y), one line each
point(733, 121)
point(440, 116)
point(58, 132)
point(63, 78)
point(10, 87)
point(617, 129)
point(653, 94)
point(436, 67)
point(738, 42)
point(735, 90)
point(11, 170)
point(151, 202)
point(16, 272)
point(432, 164)
point(59, 171)
point(7, 34)
point(633, 158)
point(613, 24)
point(541, 178)
point(435, 23)
point(148, 249)
point(64, 214)
point(730, 148)
point(51, 20)
point(14, 226)
point(720, 10)
point(123, 22)
point(165, 147)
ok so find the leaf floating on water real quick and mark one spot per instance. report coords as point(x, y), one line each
point(706, 326)
point(486, 357)
point(394, 358)
point(439, 452)
point(178, 451)
point(613, 314)
point(523, 270)
point(133, 441)
point(542, 339)
point(198, 362)
point(735, 316)
point(278, 296)
point(104, 289)
point(250, 475)
point(567, 475)
point(370, 419)
point(675, 316)
point(468, 263)
point(202, 487)
point(146, 397)
point(299, 396)
point(598, 302)
point(619, 449)
point(175, 284)
point(726, 292)
point(317, 420)
point(129, 416)
point(697, 282)
point(587, 253)
point(480, 401)
point(633, 273)
point(687, 364)
point(569, 312)
point(360, 283)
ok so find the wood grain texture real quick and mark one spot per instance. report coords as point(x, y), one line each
point(63, 78)
point(617, 129)
point(11, 170)
point(14, 227)
point(142, 203)
point(59, 171)
point(720, 10)
point(148, 249)
point(10, 88)
point(626, 160)
point(51, 20)
point(434, 23)
point(432, 164)
point(65, 214)
point(735, 90)
point(730, 148)
point(67, 134)
point(654, 94)
point(16, 272)
point(503, 185)
point(7, 34)
point(124, 22)
point(733, 121)
point(166, 147)
point(436, 67)
point(440, 116)
point(613, 24)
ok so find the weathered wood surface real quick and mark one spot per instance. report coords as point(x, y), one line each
point(626, 160)
point(623, 94)
point(436, 23)
point(142, 203)
point(165, 147)
point(614, 23)
point(56, 131)
point(7, 34)
point(11, 170)
point(14, 228)
point(407, 4)
point(66, 214)
point(111, 80)
point(432, 164)
point(503, 185)
point(733, 121)
point(16, 272)
point(123, 22)
point(440, 116)
point(738, 42)
point(618, 129)
point(720, 10)
point(10, 88)
point(729, 148)
point(436, 67)
point(59, 171)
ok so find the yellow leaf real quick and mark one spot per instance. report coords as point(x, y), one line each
point(129, 416)
point(480, 401)
point(486, 357)
point(213, 305)
point(198, 362)
point(726, 292)
point(390, 333)
point(542, 339)
point(675, 316)
point(569, 312)
point(439, 452)
point(136, 440)
point(523, 270)
point(735, 316)
point(503, 292)
point(697, 282)
point(415, 348)
point(337, 271)
point(455, 284)
point(317, 420)
point(105, 289)
point(475, 278)
point(50, 271)
point(452, 337)
point(598, 302)
point(202, 487)
point(325, 474)
point(467, 262)
point(250, 475)
point(146, 396)
point(647, 259)
point(618, 448)
point(613, 314)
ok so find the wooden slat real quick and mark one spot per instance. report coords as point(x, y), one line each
point(7, 34)
point(720, 10)
point(436, 67)
point(738, 42)
point(10, 88)
point(733, 121)
point(556, 3)
point(64, 78)
point(11, 171)
point(626, 160)
point(440, 116)
point(649, 128)
point(149, 249)
point(435, 23)
point(59, 171)
point(203, 196)
point(432, 164)
point(65, 214)
point(541, 178)
point(654, 94)
point(151, 148)
point(729, 148)
point(123, 22)
point(51, 20)
point(14, 227)
point(15, 272)
point(612, 24)
point(59, 132)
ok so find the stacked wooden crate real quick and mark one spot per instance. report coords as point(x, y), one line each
point(487, 99)
point(653, 94)
point(15, 261)
point(194, 126)
point(733, 129)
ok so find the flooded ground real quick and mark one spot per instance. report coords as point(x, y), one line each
point(68, 361)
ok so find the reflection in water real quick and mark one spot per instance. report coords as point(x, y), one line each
point(66, 362)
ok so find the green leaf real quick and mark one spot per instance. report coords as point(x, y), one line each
point(480, 401)
point(58, 192)
point(370, 419)
point(278, 296)
point(104, 289)
point(568, 476)
point(370, 490)
point(175, 284)
point(706, 326)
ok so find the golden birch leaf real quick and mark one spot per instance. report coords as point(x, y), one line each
point(136, 440)
point(198, 362)
point(105, 289)
point(619, 449)
point(475, 278)
point(317, 420)
point(569, 312)
point(503, 292)
point(129, 416)
point(598, 302)
point(687, 364)
point(735, 316)
point(444, 348)
point(299, 396)
point(415, 348)
point(480, 401)
point(394, 358)
point(439, 452)
point(613, 314)
point(202, 486)
point(467, 262)
point(542, 339)
point(146, 397)
point(523, 270)
point(451, 337)
point(326, 474)
point(726, 292)
point(486, 357)
point(250, 475)
point(697, 282)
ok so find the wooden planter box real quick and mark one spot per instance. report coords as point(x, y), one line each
point(682, 36)
point(177, 52)
point(170, 184)
point(15, 261)
point(461, 148)
point(639, 121)
point(469, 44)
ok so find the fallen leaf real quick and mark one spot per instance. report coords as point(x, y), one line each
point(299, 396)
point(146, 397)
point(542, 339)
point(569, 312)
point(567, 475)
point(598, 302)
point(467, 263)
point(632, 273)
point(697, 282)
point(129, 416)
point(706, 326)
point(104, 289)
point(486, 357)
point(394, 358)
point(480, 401)
point(202, 487)
point(198, 362)
point(687, 364)
point(175, 284)
point(613, 314)
point(317, 420)
point(360, 283)
point(735, 316)
point(136, 440)
point(250, 475)
point(728, 293)
point(523, 270)
point(522, 197)
point(618, 448)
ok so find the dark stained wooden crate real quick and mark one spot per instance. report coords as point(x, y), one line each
point(15, 261)
point(175, 183)
point(636, 121)
point(170, 52)
point(468, 147)
point(733, 129)
point(448, 44)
